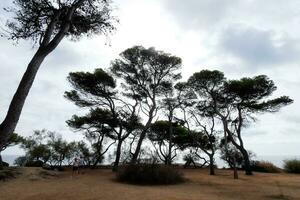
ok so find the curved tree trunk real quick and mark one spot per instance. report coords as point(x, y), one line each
point(1, 162)
point(118, 155)
point(143, 135)
point(98, 159)
point(211, 165)
point(248, 170)
point(247, 164)
point(169, 158)
point(10, 122)
point(11, 119)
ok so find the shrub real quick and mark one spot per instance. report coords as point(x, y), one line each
point(9, 173)
point(264, 166)
point(20, 161)
point(149, 174)
point(6, 174)
point(292, 166)
point(5, 164)
point(37, 163)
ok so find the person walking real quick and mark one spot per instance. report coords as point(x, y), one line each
point(75, 168)
point(81, 165)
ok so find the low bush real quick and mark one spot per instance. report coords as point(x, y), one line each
point(5, 164)
point(20, 161)
point(292, 166)
point(37, 163)
point(149, 174)
point(8, 173)
point(264, 166)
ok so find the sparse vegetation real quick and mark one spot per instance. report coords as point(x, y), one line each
point(9, 173)
point(264, 166)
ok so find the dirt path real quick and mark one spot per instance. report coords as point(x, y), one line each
point(100, 185)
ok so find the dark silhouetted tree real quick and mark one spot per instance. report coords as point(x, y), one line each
point(173, 100)
point(14, 139)
point(47, 22)
point(47, 148)
point(236, 102)
point(110, 116)
point(207, 140)
point(147, 74)
point(159, 135)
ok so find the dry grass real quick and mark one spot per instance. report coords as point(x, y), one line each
point(101, 184)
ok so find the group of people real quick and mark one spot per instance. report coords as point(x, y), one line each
point(78, 165)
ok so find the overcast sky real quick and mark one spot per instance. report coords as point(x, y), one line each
point(239, 37)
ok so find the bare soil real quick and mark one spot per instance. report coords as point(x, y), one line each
point(36, 184)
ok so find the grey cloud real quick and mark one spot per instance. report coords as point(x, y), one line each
point(257, 47)
point(199, 14)
point(194, 14)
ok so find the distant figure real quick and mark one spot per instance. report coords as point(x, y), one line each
point(81, 165)
point(75, 166)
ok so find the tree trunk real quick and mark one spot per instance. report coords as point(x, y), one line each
point(138, 147)
point(96, 162)
point(1, 162)
point(235, 172)
point(11, 119)
point(248, 170)
point(142, 136)
point(211, 165)
point(118, 155)
point(169, 158)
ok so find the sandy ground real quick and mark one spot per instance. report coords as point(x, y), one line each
point(101, 184)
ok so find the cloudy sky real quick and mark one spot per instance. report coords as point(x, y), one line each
point(239, 37)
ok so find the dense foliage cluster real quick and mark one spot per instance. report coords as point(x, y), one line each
point(149, 174)
point(292, 166)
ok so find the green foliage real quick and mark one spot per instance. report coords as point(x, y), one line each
point(60, 150)
point(195, 139)
point(231, 155)
point(206, 79)
point(45, 147)
point(36, 19)
point(160, 130)
point(111, 117)
point(91, 89)
point(20, 161)
point(292, 166)
point(249, 93)
point(13, 139)
point(4, 164)
point(264, 166)
point(149, 174)
point(34, 163)
point(164, 134)
point(147, 73)
point(100, 119)
point(235, 103)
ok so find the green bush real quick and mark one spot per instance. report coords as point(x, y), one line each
point(5, 164)
point(264, 166)
point(20, 161)
point(149, 174)
point(37, 163)
point(292, 166)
